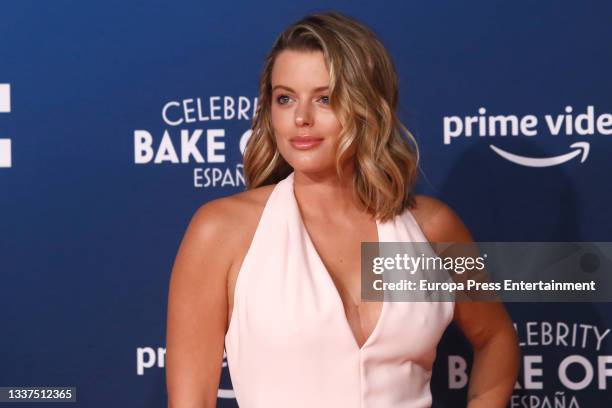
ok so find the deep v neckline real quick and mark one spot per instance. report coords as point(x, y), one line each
point(328, 277)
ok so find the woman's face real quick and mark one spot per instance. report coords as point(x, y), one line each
point(305, 127)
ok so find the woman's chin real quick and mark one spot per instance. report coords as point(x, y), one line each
point(312, 167)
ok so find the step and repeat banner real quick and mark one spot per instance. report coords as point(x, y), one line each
point(118, 119)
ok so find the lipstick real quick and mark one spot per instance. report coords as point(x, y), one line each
point(305, 142)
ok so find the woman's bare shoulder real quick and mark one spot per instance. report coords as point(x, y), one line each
point(237, 206)
point(232, 217)
point(438, 221)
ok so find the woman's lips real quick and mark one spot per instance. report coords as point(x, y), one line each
point(305, 142)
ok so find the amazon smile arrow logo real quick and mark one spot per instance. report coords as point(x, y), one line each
point(580, 147)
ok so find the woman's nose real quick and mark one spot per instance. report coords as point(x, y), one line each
point(303, 116)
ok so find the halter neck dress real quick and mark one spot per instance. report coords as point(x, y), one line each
point(289, 343)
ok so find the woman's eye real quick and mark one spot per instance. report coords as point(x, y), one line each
point(324, 99)
point(282, 99)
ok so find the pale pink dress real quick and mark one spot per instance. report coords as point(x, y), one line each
point(289, 344)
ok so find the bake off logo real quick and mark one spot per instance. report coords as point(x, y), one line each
point(5, 144)
point(185, 141)
point(582, 368)
point(494, 127)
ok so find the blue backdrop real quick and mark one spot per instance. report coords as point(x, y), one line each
point(97, 188)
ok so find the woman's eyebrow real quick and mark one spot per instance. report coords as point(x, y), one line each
point(317, 89)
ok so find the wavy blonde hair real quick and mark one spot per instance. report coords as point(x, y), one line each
point(363, 95)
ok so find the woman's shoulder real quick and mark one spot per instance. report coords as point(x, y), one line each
point(231, 218)
point(240, 205)
point(438, 221)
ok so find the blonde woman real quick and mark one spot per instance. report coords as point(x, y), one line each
point(273, 274)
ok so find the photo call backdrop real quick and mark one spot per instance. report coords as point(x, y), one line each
point(118, 119)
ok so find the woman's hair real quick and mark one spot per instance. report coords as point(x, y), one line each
point(363, 95)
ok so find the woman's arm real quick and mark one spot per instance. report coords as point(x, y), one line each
point(486, 325)
point(496, 352)
point(197, 311)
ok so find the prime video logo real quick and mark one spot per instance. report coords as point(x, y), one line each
point(149, 357)
point(5, 107)
point(570, 123)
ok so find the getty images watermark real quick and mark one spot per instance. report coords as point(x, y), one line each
point(487, 271)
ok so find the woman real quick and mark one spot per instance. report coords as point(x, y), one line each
point(273, 274)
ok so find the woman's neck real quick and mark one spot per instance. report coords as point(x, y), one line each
point(325, 194)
